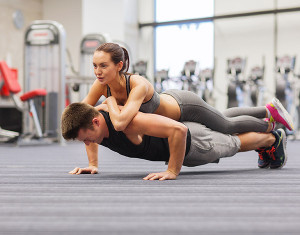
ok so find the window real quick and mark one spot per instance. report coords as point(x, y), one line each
point(177, 44)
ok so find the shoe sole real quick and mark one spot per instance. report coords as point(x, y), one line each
point(284, 139)
point(264, 167)
point(283, 113)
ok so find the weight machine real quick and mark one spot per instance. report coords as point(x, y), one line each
point(256, 85)
point(206, 85)
point(9, 88)
point(140, 68)
point(237, 97)
point(44, 67)
point(288, 89)
point(189, 79)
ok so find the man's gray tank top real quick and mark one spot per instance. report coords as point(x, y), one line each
point(148, 107)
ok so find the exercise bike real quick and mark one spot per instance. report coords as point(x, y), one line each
point(256, 85)
point(287, 89)
point(237, 95)
point(206, 85)
point(190, 81)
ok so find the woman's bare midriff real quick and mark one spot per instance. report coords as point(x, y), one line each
point(168, 107)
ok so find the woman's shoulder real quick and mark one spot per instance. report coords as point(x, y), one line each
point(136, 80)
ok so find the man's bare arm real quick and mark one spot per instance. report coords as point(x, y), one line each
point(92, 153)
point(163, 127)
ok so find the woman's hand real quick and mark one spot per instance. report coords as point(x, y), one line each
point(87, 170)
point(166, 175)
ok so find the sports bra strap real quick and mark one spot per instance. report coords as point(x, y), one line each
point(127, 85)
point(108, 91)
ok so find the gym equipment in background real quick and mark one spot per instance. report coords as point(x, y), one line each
point(11, 87)
point(140, 68)
point(236, 87)
point(206, 85)
point(160, 77)
point(256, 85)
point(5, 135)
point(44, 67)
point(288, 89)
point(189, 79)
point(163, 82)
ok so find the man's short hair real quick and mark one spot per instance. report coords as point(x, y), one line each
point(75, 117)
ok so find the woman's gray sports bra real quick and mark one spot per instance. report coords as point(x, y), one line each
point(148, 107)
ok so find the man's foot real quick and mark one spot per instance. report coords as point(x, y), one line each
point(279, 114)
point(264, 159)
point(277, 151)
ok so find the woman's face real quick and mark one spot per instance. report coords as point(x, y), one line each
point(104, 68)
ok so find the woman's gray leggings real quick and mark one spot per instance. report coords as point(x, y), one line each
point(233, 120)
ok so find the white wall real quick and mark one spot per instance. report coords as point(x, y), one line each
point(69, 14)
point(146, 34)
point(131, 32)
point(102, 16)
point(117, 18)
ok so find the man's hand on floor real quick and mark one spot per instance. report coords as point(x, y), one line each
point(87, 170)
point(166, 175)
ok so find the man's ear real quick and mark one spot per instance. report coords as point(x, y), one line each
point(96, 121)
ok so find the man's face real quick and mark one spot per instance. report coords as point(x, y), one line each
point(94, 135)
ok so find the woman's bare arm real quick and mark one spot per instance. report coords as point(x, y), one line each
point(121, 118)
point(95, 92)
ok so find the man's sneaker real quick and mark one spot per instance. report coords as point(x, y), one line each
point(264, 159)
point(279, 114)
point(277, 151)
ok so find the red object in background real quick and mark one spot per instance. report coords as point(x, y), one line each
point(31, 94)
point(13, 82)
point(9, 77)
point(67, 96)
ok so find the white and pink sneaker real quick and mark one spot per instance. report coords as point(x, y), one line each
point(279, 114)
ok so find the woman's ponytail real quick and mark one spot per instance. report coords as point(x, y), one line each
point(126, 61)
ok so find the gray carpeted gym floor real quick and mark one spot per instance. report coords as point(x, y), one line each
point(38, 196)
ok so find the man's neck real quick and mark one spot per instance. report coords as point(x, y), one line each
point(103, 125)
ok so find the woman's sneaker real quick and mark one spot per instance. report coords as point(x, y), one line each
point(279, 114)
point(277, 151)
point(264, 159)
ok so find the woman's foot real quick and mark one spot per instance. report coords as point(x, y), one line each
point(279, 114)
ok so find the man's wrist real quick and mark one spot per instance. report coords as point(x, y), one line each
point(93, 165)
point(173, 172)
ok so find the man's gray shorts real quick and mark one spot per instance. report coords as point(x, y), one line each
point(209, 146)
